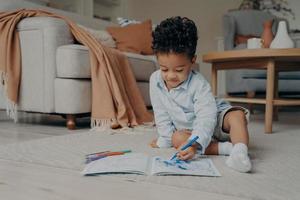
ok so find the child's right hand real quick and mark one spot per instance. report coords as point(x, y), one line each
point(153, 143)
point(187, 154)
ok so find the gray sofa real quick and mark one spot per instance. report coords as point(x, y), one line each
point(250, 22)
point(55, 71)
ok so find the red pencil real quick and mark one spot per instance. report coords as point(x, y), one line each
point(113, 153)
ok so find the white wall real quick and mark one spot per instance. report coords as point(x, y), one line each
point(82, 7)
point(206, 14)
point(41, 2)
point(112, 11)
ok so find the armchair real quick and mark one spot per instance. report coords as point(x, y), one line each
point(245, 23)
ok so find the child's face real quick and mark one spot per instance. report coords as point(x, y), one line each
point(175, 68)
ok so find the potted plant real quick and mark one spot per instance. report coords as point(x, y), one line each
point(273, 6)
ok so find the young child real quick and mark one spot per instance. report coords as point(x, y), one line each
point(184, 106)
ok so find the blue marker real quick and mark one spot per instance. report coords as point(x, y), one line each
point(190, 143)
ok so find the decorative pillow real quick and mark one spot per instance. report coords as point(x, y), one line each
point(135, 38)
point(102, 36)
point(125, 22)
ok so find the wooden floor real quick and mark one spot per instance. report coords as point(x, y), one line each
point(34, 126)
point(19, 180)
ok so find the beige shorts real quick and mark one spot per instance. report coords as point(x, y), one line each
point(219, 133)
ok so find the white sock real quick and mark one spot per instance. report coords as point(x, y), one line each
point(224, 148)
point(239, 159)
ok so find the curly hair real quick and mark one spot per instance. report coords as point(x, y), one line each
point(175, 35)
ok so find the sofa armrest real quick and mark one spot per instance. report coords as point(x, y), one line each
point(39, 39)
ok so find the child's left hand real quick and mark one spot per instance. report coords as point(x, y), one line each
point(187, 154)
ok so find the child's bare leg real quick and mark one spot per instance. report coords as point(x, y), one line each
point(212, 149)
point(180, 137)
point(236, 124)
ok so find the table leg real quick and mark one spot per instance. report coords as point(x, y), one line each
point(269, 96)
point(276, 95)
point(250, 94)
point(214, 79)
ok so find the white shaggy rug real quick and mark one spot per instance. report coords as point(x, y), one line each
point(275, 158)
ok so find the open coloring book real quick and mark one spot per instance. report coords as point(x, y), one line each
point(137, 163)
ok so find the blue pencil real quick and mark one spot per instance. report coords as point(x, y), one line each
point(190, 143)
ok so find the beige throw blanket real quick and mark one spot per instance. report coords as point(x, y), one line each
point(115, 96)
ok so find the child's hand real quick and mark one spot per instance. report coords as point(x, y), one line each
point(153, 144)
point(187, 154)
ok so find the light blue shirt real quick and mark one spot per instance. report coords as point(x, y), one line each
point(190, 105)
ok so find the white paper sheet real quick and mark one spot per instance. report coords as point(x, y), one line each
point(199, 167)
point(138, 163)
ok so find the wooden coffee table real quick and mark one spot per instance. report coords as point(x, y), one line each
point(272, 60)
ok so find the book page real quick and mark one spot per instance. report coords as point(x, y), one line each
point(199, 167)
point(135, 163)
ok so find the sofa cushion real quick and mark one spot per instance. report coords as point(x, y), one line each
point(100, 35)
point(73, 62)
point(144, 89)
point(250, 22)
point(142, 66)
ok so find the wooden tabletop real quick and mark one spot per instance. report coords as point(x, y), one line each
point(244, 54)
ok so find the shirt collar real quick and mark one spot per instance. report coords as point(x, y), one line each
point(183, 85)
